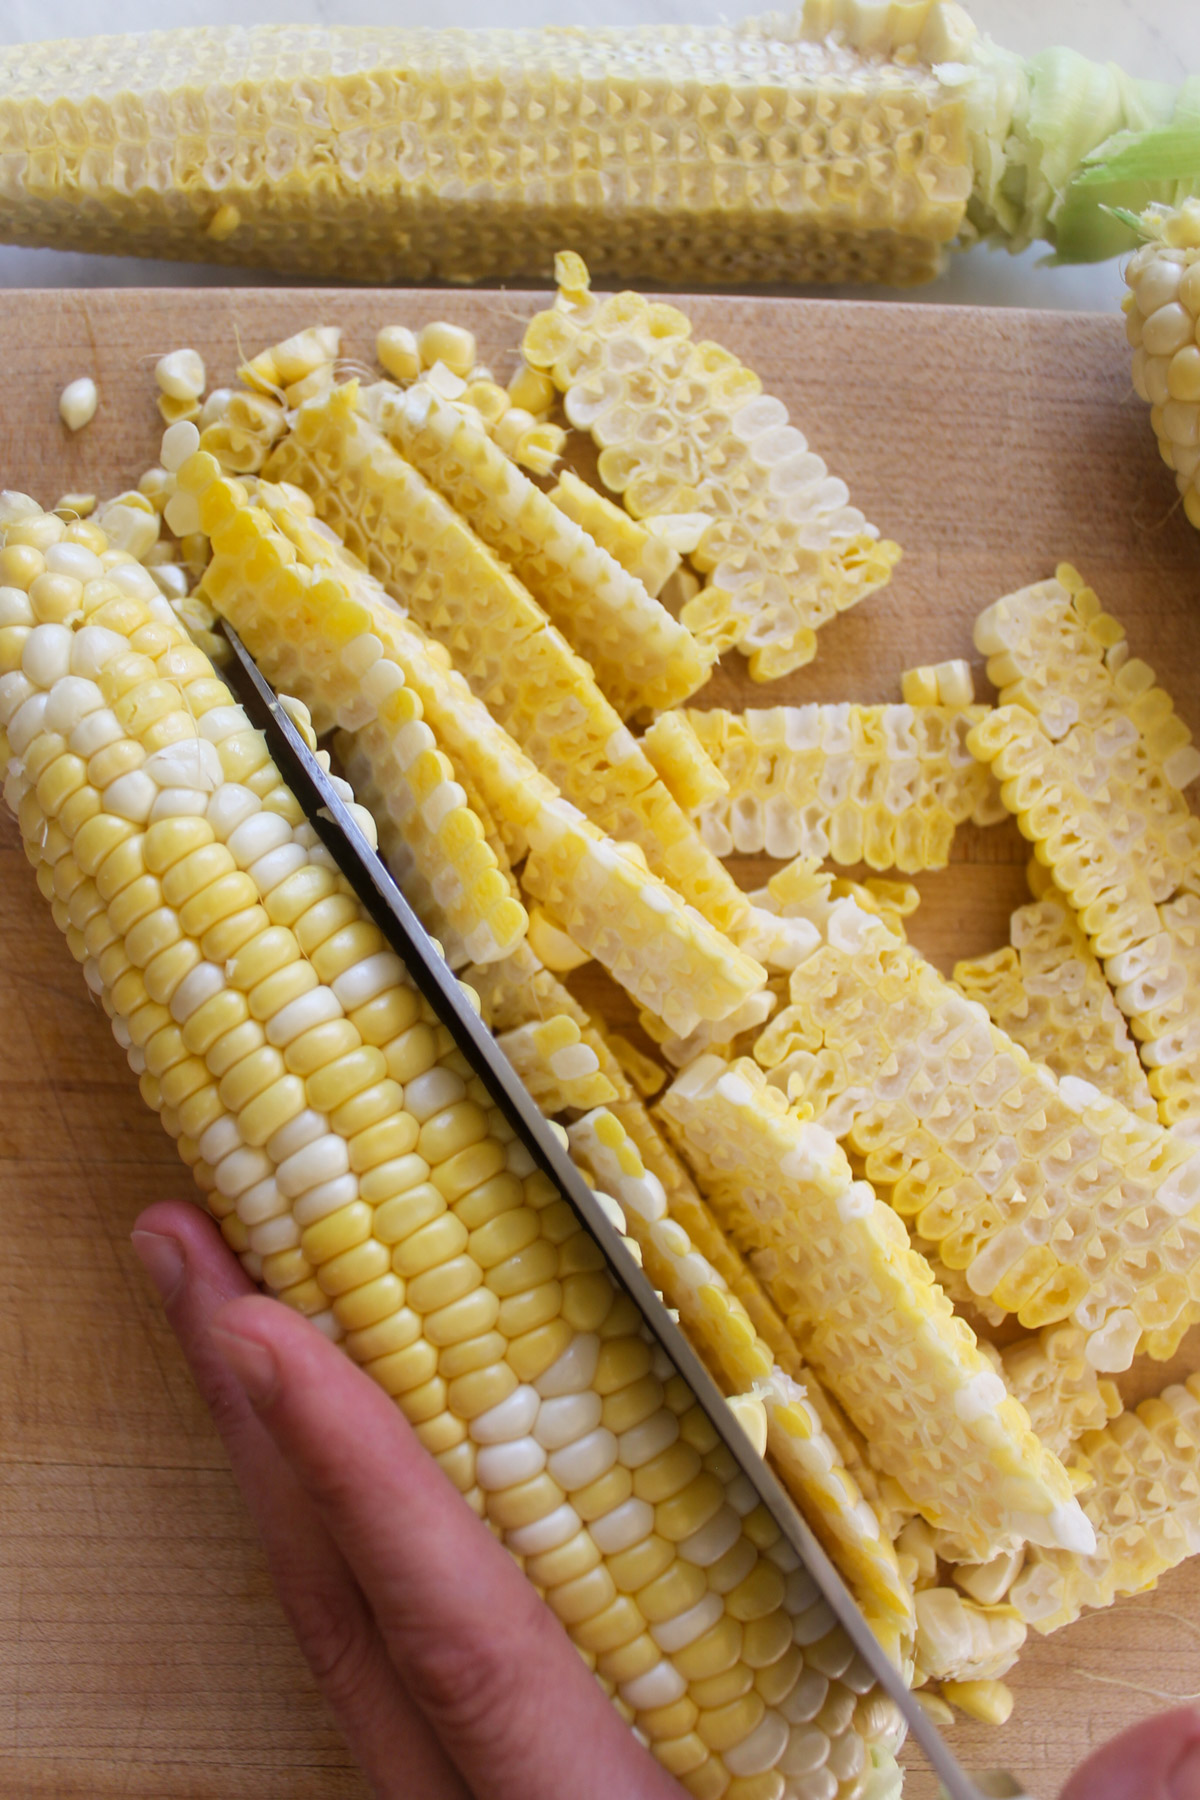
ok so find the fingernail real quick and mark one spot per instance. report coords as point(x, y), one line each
point(1183, 1783)
point(162, 1259)
point(252, 1363)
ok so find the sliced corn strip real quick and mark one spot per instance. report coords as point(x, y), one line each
point(939, 684)
point(1058, 1387)
point(361, 1173)
point(884, 785)
point(426, 155)
point(717, 1324)
point(460, 592)
point(340, 667)
point(431, 840)
point(1097, 818)
point(643, 658)
point(320, 625)
point(1144, 1504)
point(1048, 992)
point(670, 959)
point(559, 1069)
point(1056, 1201)
point(684, 428)
point(643, 554)
point(866, 1313)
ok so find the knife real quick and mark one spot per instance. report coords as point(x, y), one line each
point(367, 874)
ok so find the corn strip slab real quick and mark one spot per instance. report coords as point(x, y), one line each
point(1056, 1201)
point(1048, 993)
point(868, 1316)
point(1092, 757)
point(1144, 1505)
point(686, 433)
point(460, 592)
point(884, 785)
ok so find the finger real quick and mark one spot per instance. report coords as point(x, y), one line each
point(197, 1275)
point(1156, 1760)
point(486, 1661)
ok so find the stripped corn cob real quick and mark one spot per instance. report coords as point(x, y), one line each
point(1093, 770)
point(840, 142)
point(884, 785)
point(867, 1315)
point(643, 658)
point(1055, 1201)
point(1058, 1387)
point(362, 1174)
point(1048, 992)
point(529, 124)
point(316, 621)
point(1145, 1506)
point(684, 428)
point(464, 596)
point(1161, 310)
point(635, 546)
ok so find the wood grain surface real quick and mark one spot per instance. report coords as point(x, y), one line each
point(141, 1650)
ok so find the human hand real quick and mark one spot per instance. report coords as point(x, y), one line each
point(448, 1675)
point(1156, 1760)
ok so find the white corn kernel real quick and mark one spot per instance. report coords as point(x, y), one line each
point(78, 402)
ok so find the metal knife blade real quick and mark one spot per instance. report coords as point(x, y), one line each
point(381, 897)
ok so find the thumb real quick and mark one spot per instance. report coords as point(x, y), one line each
point(487, 1663)
point(1156, 1760)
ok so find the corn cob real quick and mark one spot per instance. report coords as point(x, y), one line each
point(1058, 1387)
point(464, 596)
point(684, 429)
point(361, 1173)
point(867, 1315)
point(1093, 770)
point(643, 658)
point(635, 546)
point(1048, 992)
point(884, 785)
point(316, 620)
point(1144, 1505)
point(843, 142)
point(1053, 1200)
point(1161, 309)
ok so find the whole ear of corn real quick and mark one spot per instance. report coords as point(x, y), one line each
point(364, 1177)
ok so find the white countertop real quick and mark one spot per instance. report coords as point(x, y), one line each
point(1158, 39)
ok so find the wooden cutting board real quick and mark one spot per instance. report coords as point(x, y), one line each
point(141, 1650)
